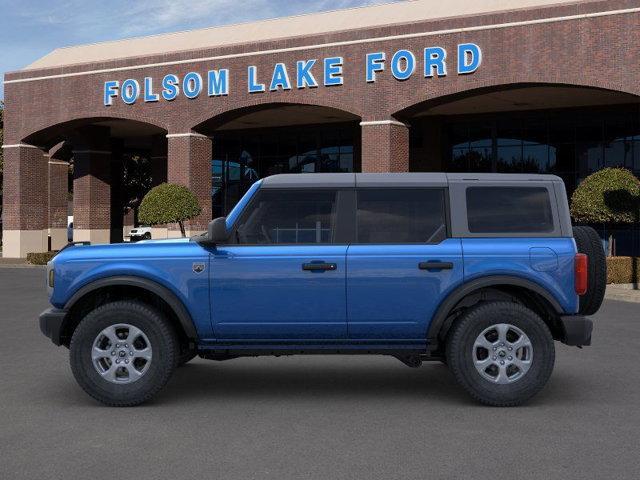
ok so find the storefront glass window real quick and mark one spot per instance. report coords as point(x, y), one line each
point(571, 143)
point(243, 156)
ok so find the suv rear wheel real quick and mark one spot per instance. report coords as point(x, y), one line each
point(123, 353)
point(502, 353)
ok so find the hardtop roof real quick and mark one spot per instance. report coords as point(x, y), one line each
point(410, 179)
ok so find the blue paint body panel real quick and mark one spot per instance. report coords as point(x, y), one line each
point(389, 297)
point(512, 256)
point(262, 292)
point(166, 262)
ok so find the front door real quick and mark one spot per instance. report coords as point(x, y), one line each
point(402, 264)
point(283, 277)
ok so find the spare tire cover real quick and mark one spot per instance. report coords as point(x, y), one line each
point(588, 242)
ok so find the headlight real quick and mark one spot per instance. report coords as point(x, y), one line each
point(51, 278)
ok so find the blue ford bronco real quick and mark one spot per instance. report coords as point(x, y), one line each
point(479, 271)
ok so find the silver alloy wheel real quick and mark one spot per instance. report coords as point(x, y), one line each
point(121, 353)
point(502, 353)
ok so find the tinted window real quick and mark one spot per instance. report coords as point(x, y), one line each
point(401, 216)
point(509, 210)
point(289, 216)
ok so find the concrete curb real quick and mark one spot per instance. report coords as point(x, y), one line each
point(623, 292)
point(19, 265)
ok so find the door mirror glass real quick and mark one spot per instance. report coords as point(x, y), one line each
point(217, 231)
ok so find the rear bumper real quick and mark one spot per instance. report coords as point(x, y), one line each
point(577, 330)
point(51, 322)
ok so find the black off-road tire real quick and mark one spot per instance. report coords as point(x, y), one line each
point(163, 342)
point(588, 242)
point(460, 350)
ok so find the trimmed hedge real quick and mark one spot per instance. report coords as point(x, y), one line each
point(611, 195)
point(40, 258)
point(621, 270)
point(168, 203)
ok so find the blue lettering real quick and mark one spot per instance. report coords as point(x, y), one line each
point(333, 71)
point(304, 77)
point(110, 92)
point(469, 58)
point(280, 78)
point(403, 64)
point(130, 91)
point(375, 63)
point(218, 82)
point(434, 58)
point(192, 84)
point(254, 87)
point(149, 96)
point(170, 87)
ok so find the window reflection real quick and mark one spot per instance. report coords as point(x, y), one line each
point(571, 143)
point(242, 157)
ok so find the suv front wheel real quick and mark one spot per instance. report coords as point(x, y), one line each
point(502, 353)
point(123, 353)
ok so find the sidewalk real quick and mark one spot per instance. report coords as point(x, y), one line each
point(626, 292)
point(15, 263)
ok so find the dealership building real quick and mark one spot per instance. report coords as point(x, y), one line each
point(545, 86)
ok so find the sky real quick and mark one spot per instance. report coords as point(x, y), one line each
point(29, 29)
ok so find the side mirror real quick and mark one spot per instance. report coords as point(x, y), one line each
point(217, 230)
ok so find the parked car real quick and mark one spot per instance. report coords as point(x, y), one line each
point(479, 271)
point(69, 228)
point(140, 233)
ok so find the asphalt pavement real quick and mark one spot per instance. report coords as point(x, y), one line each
point(334, 417)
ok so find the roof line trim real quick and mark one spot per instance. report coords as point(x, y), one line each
point(188, 134)
point(383, 122)
point(333, 44)
point(20, 145)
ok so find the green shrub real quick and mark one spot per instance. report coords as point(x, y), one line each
point(623, 270)
point(611, 195)
point(40, 258)
point(169, 203)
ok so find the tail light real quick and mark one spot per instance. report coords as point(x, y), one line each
point(581, 274)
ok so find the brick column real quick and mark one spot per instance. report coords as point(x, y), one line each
point(92, 195)
point(58, 191)
point(189, 164)
point(59, 157)
point(385, 146)
point(25, 202)
point(92, 185)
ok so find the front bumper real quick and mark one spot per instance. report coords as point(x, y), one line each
point(577, 330)
point(51, 323)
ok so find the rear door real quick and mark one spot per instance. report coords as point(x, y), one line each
point(402, 263)
point(284, 278)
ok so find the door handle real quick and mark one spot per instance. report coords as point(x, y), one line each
point(435, 265)
point(319, 266)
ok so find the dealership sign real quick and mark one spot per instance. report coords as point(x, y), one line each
point(309, 73)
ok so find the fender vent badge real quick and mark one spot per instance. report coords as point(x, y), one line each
point(198, 267)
